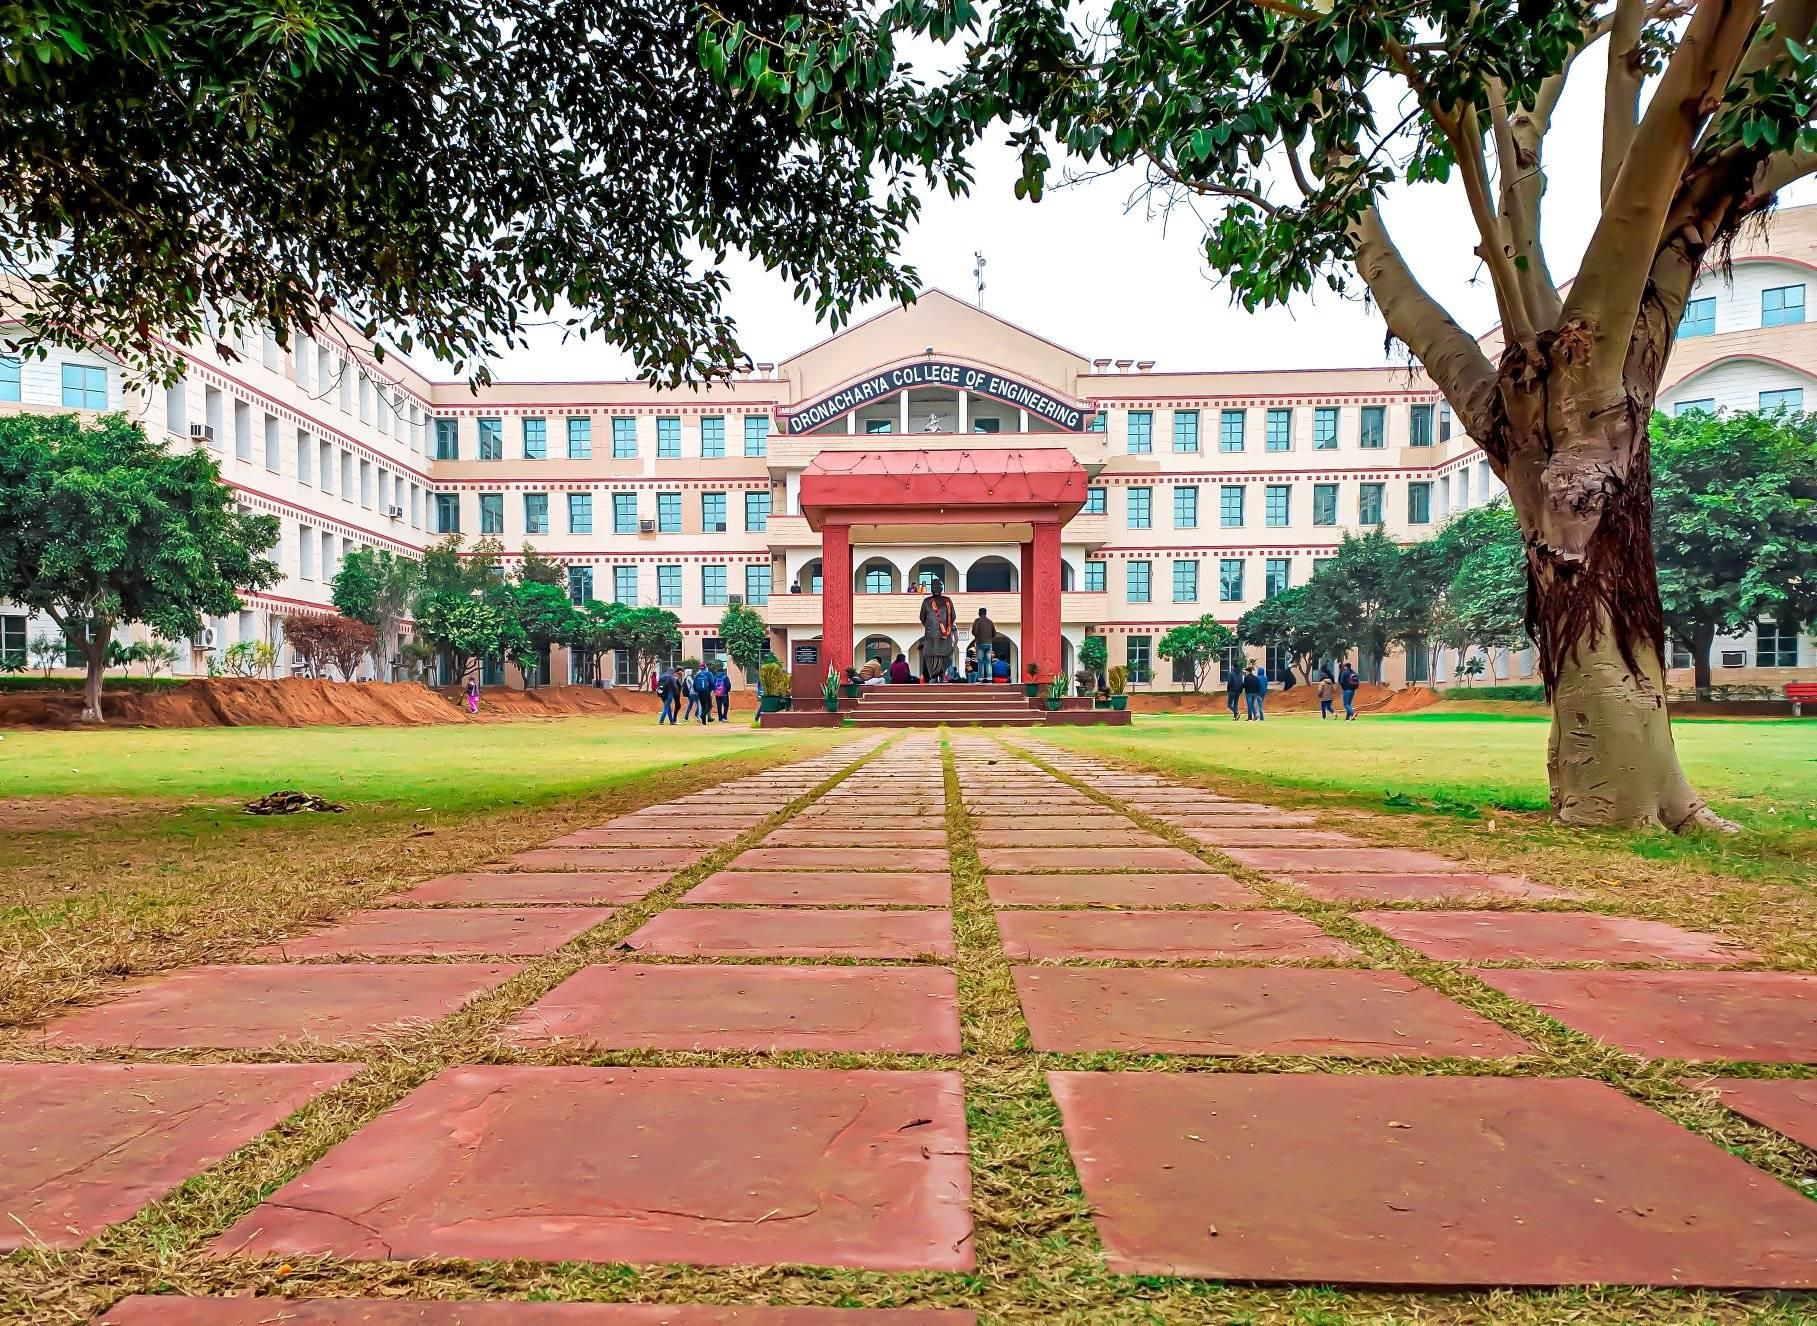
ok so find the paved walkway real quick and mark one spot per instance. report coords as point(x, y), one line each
point(743, 1029)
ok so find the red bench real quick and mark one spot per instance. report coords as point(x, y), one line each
point(1800, 693)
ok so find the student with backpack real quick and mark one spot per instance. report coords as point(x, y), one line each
point(1252, 694)
point(1233, 688)
point(703, 694)
point(722, 691)
point(668, 687)
point(1347, 684)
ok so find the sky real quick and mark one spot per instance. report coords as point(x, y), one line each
point(1092, 270)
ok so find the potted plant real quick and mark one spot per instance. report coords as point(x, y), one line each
point(777, 688)
point(830, 692)
point(1032, 687)
point(1119, 680)
point(1056, 692)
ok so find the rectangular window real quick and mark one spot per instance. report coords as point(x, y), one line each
point(1369, 503)
point(668, 439)
point(1137, 577)
point(987, 425)
point(1781, 305)
point(624, 585)
point(305, 456)
point(580, 584)
point(536, 513)
point(1230, 580)
point(668, 513)
point(1141, 508)
point(624, 513)
point(713, 513)
point(447, 513)
point(306, 550)
point(878, 427)
point(9, 385)
point(1280, 430)
point(536, 439)
point(1699, 318)
point(1138, 658)
point(1185, 430)
point(756, 512)
point(1094, 577)
point(491, 513)
point(1419, 425)
point(1324, 504)
point(757, 584)
point(624, 438)
point(1094, 501)
point(1185, 507)
point(366, 484)
point(1141, 432)
point(84, 387)
point(1096, 423)
point(668, 586)
point(580, 513)
point(1230, 430)
point(1419, 503)
point(580, 439)
point(713, 437)
point(491, 439)
point(1277, 575)
point(1375, 426)
point(1444, 421)
point(1325, 428)
point(1186, 582)
point(1775, 646)
point(1788, 398)
point(1230, 506)
point(447, 439)
point(1702, 405)
point(757, 435)
point(1277, 505)
point(713, 586)
point(274, 449)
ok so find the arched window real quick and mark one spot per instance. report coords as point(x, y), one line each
point(877, 580)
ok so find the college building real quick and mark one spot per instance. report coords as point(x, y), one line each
point(1064, 493)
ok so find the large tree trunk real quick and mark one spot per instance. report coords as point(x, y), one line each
point(94, 650)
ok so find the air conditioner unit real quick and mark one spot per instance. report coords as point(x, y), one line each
point(208, 637)
point(201, 433)
point(717, 527)
point(395, 512)
point(1734, 658)
point(646, 527)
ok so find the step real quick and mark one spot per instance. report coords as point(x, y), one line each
point(944, 720)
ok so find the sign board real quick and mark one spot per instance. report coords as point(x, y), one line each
point(935, 373)
point(807, 655)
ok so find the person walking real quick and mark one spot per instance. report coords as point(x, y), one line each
point(1233, 688)
point(703, 695)
point(684, 681)
point(668, 689)
point(1261, 695)
point(722, 691)
point(1252, 694)
point(1347, 684)
point(1328, 690)
point(472, 695)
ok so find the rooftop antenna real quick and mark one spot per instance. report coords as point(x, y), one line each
point(978, 273)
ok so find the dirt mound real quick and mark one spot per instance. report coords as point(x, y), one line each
point(555, 701)
point(1371, 699)
point(240, 702)
point(1405, 701)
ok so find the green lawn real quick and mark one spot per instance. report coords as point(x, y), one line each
point(453, 767)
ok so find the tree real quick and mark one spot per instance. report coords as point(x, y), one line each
point(463, 602)
point(544, 617)
point(1094, 653)
point(648, 634)
point(46, 652)
point(1307, 623)
point(246, 658)
point(324, 640)
point(1285, 123)
point(1201, 644)
point(105, 527)
point(467, 628)
point(190, 171)
point(1364, 589)
point(743, 634)
point(1735, 525)
point(377, 586)
point(535, 569)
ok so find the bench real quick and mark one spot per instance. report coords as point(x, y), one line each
point(1800, 693)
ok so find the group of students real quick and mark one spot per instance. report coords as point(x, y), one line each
point(1251, 686)
point(707, 692)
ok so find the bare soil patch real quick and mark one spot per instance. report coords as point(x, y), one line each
point(46, 814)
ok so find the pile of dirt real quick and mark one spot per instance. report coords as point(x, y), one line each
point(1407, 700)
point(292, 802)
point(239, 702)
point(557, 701)
point(1369, 698)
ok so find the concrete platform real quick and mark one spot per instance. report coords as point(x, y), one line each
point(1552, 937)
point(1160, 936)
point(1422, 888)
point(1109, 860)
point(1132, 890)
point(442, 932)
point(791, 932)
point(1787, 1106)
point(530, 888)
point(788, 888)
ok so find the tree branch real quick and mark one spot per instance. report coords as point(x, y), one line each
point(1621, 89)
point(1519, 139)
point(1466, 134)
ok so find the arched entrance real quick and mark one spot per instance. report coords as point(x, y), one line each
point(878, 575)
point(931, 568)
point(991, 575)
point(808, 582)
point(879, 647)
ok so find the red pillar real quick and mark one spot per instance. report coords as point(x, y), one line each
point(836, 595)
point(1041, 617)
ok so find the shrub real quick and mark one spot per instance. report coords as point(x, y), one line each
point(776, 680)
point(1119, 679)
point(1536, 694)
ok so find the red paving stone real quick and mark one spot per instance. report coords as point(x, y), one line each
point(1240, 1010)
point(1111, 860)
point(442, 932)
point(843, 858)
point(251, 1007)
point(88, 1145)
point(1786, 1106)
point(666, 859)
point(1455, 1181)
point(902, 1010)
point(659, 816)
point(1421, 888)
point(164, 1311)
point(1136, 890)
point(701, 1166)
point(1766, 1016)
point(1127, 836)
point(1002, 823)
point(1244, 819)
point(1269, 837)
point(520, 888)
point(1163, 935)
point(672, 836)
point(1346, 860)
point(1552, 937)
point(868, 837)
point(792, 932)
point(778, 888)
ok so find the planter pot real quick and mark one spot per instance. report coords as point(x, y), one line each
point(832, 705)
point(1119, 702)
point(774, 704)
point(1052, 705)
point(1032, 689)
point(851, 692)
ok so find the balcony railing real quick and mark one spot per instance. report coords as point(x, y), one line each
point(899, 611)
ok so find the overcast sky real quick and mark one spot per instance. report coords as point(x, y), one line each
point(1086, 269)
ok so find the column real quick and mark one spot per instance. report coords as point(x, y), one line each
point(836, 596)
point(1041, 622)
point(1025, 627)
point(964, 405)
point(903, 398)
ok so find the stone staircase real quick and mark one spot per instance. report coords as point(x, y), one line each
point(954, 706)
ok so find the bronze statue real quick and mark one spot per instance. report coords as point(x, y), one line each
point(938, 621)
